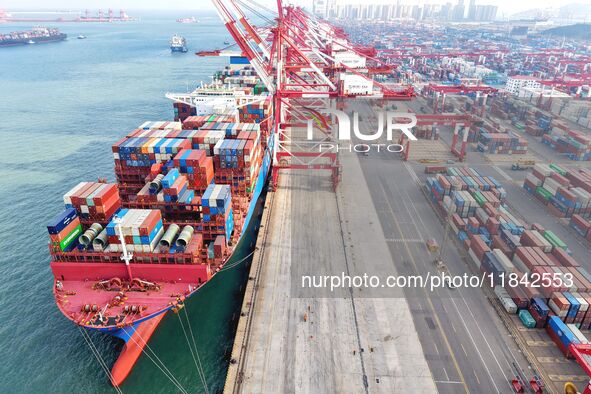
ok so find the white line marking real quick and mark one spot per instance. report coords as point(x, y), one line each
point(503, 173)
point(448, 382)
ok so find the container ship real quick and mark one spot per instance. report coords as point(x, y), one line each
point(37, 35)
point(178, 44)
point(125, 253)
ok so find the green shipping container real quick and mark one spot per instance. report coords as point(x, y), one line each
point(527, 319)
point(554, 240)
point(479, 198)
point(558, 169)
point(544, 193)
point(71, 238)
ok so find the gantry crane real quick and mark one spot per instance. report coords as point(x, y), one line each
point(305, 63)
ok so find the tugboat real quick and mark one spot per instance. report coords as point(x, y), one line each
point(178, 44)
point(81, 37)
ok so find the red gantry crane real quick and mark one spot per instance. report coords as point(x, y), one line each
point(306, 63)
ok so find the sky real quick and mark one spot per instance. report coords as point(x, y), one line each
point(506, 6)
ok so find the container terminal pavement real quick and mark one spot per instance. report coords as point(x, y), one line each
point(356, 340)
point(313, 344)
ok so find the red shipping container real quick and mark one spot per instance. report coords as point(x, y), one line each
point(560, 179)
point(564, 258)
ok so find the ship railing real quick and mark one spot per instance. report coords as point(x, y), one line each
point(192, 255)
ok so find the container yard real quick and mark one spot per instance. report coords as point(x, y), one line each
point(463, 126)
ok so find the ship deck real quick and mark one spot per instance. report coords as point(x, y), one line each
point(76, 296)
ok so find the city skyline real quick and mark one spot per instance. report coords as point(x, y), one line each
point(504, 6)
point(459, 11)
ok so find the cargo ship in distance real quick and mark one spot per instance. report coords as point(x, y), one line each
point(178, 44)
point(125, 253)
point(38, 35)
point(191, 19)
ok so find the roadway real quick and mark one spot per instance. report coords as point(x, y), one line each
point(317, 340)
point(465, 343)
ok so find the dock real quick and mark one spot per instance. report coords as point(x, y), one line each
point(348, 340)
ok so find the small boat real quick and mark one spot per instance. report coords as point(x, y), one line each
point(226, 42)
point(178, 44)
point(30, 42)
point(81, 37)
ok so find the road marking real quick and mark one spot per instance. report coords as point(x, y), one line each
point(476, 347)
point(503, 173)
point(464, 349)
point(564, 378)
point(476, 376)
point(447, 382)
point(445, 339)
point(436, 348)
point(484, 337)
point(445, 372)
point(412, 173)
point(411, 240)
point(453, 327)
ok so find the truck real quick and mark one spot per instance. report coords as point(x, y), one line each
point(521, 165)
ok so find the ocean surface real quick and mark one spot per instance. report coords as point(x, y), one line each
point(62, 105)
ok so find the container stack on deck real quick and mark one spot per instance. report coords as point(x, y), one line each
point(565, 192)
point(198, 176)
point(500, 244)
point(94, 201)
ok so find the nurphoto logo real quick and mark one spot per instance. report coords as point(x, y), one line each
point(393, 121)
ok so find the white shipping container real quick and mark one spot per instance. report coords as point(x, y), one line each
point(349, 59)
point(533, 179)
point(551, 184)
point(577, 333)
point(519, 264)
point(73, 191)
point(547, 248)
point(356, 84)
point(543, 169)
point(474, 258)
point(509, 305)
point(500, 292)
point(504, 260)
point(584, 305)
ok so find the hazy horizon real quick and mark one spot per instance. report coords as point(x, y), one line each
point(505, 6)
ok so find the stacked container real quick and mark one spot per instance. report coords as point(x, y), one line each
point(501, 143)
point(64, 230)
point(93, 200)
point(141, 228)
point(197, 167)
point(575, 145)
point(218, 216)
point(175, 188)
point(565, 192)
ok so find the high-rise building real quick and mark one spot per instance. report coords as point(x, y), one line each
point(385, 12)
point(459, 11)
point(472, 10)
point(323, 8)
